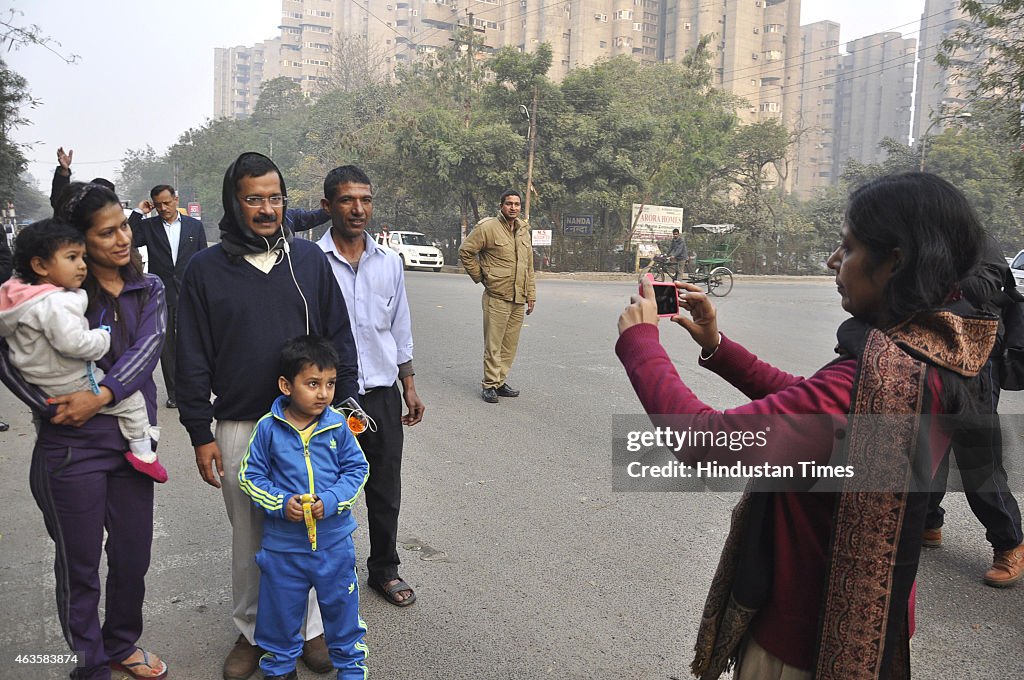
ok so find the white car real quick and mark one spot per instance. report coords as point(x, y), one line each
point(413, 248)
point(1017, 268)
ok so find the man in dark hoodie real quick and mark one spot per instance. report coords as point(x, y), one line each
point(240, 301)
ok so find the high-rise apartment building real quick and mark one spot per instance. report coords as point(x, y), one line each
point(814, 122)
point(751, 43)
point(238, 73)
point(842, 106)
point(755, 43)
point(579, 31)
point(308, 34)
point(755, 46)
point(875, 88)
point(940, 94)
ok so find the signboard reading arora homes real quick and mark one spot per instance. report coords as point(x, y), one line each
point(655, 222)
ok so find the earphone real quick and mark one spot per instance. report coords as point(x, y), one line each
point(291, 268)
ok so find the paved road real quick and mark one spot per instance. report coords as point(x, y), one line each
point(526, 564)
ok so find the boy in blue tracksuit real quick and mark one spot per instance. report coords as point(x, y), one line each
point(305, 469)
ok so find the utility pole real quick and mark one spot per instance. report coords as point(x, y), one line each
point(532, 134)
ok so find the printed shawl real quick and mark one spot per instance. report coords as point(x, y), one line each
point(876, 536)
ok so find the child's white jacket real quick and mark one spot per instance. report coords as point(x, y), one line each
point(47, 332)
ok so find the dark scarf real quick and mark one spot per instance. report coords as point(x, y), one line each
point(876, 536)
point(236, 237)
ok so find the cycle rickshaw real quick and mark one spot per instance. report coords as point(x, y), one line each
point(712, 271)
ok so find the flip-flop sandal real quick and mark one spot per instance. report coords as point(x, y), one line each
point(129, 667)
point(389, 592)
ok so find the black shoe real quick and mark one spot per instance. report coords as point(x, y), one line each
point(490, 395)
point(291, 676)
point(506, 391)
point(171, 404)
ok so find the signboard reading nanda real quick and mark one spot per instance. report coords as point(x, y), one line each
point(578, 225)
point(655, 222)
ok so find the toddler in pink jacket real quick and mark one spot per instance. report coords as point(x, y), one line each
point(42, 316)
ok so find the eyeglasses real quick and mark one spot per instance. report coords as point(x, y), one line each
point(258, 201)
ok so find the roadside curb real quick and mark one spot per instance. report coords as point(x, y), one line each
point(619, 276)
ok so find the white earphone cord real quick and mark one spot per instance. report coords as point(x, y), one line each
point(291, 268)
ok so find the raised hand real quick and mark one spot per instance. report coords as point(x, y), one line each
point(64, 159)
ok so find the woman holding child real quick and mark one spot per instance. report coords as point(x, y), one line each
point(818, 584)
point(79, 476)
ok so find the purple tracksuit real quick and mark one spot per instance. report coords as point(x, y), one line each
point(83, 484)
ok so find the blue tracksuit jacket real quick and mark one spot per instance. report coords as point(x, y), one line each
point(277, 466)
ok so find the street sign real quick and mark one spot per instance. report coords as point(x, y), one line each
point(578, 225)
point(541, 237)
point(194, 211)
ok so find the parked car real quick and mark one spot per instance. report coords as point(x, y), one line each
point(414, 249)
point(1017, 268)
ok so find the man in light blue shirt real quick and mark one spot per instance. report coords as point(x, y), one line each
point(373, 284)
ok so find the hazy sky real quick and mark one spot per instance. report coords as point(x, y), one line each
point(146, 68)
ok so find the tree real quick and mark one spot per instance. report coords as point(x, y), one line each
point(277, 97)
point(13, 96)
point(658, 140)
point(450, 147)
point(31, 203)
point(520, 80)
point(202, 155)
point(15, 36)
point(973, 158)
point(141, 170)
point(356, 63)
point(756, 153)
point(989, 52)
point(517, 72)
point(350, 126)
point(899, 158)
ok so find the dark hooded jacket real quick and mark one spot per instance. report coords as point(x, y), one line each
point(233, 320)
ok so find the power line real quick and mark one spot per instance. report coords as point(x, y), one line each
point(77, 163)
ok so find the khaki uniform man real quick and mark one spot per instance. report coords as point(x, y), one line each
point(499, 254)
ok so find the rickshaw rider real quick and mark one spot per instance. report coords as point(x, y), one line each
point(677, 252)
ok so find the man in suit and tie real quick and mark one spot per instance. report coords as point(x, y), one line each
point(171, 239)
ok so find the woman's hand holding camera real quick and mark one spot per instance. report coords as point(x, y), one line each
point(702, 324)
point(641, 309)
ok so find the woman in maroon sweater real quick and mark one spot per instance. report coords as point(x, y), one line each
point(817, 584)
